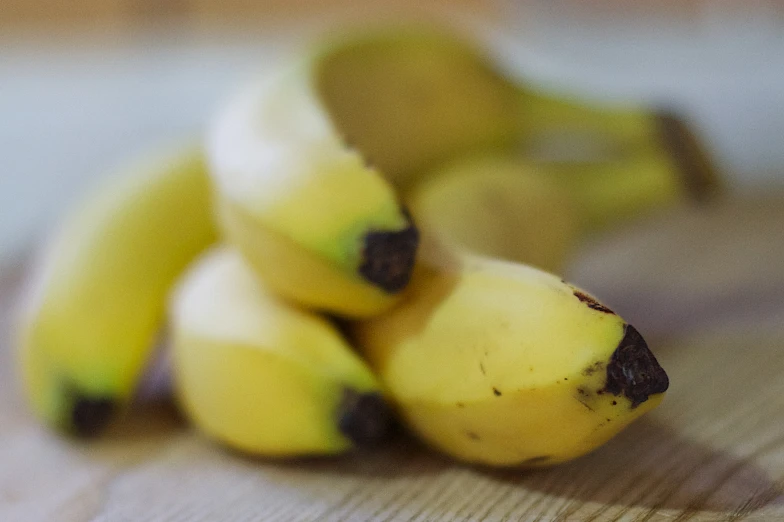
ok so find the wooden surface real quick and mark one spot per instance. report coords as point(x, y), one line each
point(714, 450)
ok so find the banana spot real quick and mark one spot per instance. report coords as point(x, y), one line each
point(388, 257)
point(473, 436)
point(496, 392)
point(634, 371)
point(364, 418)
point(91, 415)
point(595, 367)
point(592, 303)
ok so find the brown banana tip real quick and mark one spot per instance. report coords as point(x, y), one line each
point(364, 418)
point(91, 415)
point(634, 371)
point(388, 257)
point(694, 163)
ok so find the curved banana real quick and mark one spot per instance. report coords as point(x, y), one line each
point(410, 98)
point(618, 161)
point(300, 161)
point(502, 364)
point(263, 376)
point(98, 299)
point(498, 207)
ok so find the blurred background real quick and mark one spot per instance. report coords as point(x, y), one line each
point(87, 83)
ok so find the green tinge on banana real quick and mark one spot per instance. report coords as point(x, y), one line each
point(501, 364)
point(310, 156)
point(98, 296)
point(263, 376)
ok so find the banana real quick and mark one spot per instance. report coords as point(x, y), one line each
point(499, 207)
point(305, 161)
point(410, 98)
point(502, 364)
point(618, 161)
point(263, 376)
point(99, 292)
point(610, 193)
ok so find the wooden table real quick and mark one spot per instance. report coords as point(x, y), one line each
point(714, 450)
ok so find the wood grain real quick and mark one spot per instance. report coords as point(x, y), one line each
point(713, 451)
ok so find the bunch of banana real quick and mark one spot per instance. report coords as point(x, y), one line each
point(306, 176)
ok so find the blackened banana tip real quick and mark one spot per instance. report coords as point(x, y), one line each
point(388, 257)
point(364, 418)
point(634, 371)
point(90, 415)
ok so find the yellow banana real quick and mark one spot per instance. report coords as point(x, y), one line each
point(410, 98)
point(262, 375)
point(502, 364)
point(300, 161)
point(618, 161)
point(99, 296)
point(499, 207)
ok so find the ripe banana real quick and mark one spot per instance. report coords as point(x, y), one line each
point(502, 364)
point(498, 207)
point(300, 161)
point(98, 298)
point(262, 375)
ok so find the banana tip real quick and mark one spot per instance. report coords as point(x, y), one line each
point(364, 418)
point(634, 371)
point(388, 257)
point(90, 416)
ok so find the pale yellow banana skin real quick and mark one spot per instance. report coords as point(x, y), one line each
point(284, 175)
point(257, 373)
point(98, 296)
point(498, 207)
point(500, 364)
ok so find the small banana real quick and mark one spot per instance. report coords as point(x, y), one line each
point(501, 364)
point(618, 161)
point(263, 376)
point(305, 161)
point(497, 206)
point(98, 297)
